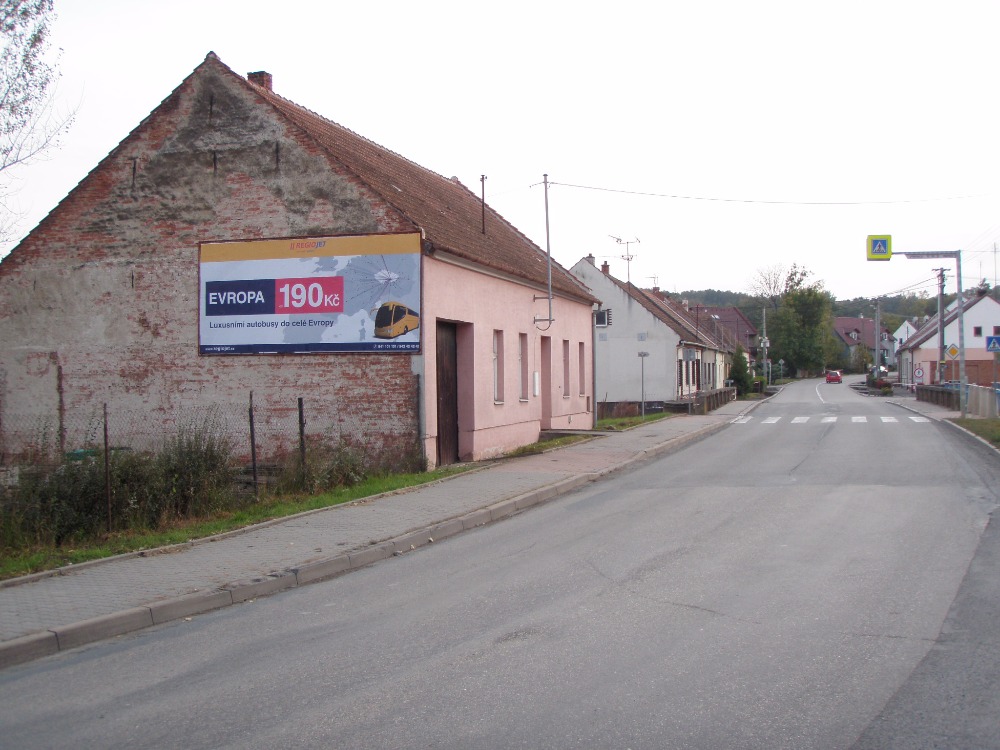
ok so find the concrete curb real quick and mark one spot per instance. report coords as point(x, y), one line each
point(952, 425)
point(45, 643)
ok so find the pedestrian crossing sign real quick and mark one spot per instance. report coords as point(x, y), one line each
point(879, 246)
point(993, 343)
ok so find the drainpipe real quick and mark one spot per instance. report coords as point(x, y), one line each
point(593, 367)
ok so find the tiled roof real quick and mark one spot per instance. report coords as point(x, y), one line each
point(865, 328)
point(448, 212)
point(735, 327)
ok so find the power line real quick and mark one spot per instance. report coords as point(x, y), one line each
point(674, 196)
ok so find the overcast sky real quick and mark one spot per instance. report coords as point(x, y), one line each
point(726, 137)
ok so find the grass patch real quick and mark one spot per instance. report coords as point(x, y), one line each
point(15, 563)
point(625, 423)
point(546, 444)
point(987, 429)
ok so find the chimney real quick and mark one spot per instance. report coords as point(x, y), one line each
point(262, 79)
point(590, 259)
point(605, 268)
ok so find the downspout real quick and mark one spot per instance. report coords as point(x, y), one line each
point(418, 363)
point(593, 365)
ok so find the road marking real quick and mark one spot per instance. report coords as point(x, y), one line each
point(824, 419)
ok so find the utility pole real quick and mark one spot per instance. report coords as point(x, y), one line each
point(482, 181)
point(940, 367)
point(764, 343)
point(878, 340)
point(957, 255)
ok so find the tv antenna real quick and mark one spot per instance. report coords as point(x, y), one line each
point(627, 257)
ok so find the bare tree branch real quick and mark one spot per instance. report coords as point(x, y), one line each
point(29, 123)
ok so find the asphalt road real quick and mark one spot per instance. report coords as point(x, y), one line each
point(782, 584)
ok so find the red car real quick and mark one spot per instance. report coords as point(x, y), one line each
point(833, 376)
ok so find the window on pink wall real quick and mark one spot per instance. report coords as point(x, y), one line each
point(522, 355)
point(565, 368)
point(498, 367)
point(583, 369)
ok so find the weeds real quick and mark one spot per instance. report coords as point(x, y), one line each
point(194, 475)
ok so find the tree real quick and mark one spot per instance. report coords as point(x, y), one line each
point(739, 372)
point(29, 124)
point(799, 330)
point(769, 284)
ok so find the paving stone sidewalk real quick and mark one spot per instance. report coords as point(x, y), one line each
point(46, 613)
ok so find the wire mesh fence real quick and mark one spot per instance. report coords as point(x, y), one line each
point(100, 469)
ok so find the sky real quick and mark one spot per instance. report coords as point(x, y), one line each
point(706, 141)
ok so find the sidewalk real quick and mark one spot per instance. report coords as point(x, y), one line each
point(49, 612)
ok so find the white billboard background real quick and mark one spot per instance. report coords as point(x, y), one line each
point(369, 280)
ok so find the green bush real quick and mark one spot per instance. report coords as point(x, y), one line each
point(191, 475)
point(346, 463)
point(196, 473)
point(56, 506)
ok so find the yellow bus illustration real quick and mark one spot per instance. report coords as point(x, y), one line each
point(394, 319)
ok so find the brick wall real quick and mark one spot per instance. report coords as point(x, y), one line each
point(100, 303)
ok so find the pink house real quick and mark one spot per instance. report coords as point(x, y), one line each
point(237, 243)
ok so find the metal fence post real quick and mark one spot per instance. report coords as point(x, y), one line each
point(253, 451)
point(107, 466)
point(302, 440)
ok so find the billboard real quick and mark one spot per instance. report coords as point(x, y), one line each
point(314, 294)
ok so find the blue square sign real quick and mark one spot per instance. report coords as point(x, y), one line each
point(993, 343)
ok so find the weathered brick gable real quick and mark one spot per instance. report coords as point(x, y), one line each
point(104, 291)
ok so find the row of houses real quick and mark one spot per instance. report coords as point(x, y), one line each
point(925, 351)
point(237, 243)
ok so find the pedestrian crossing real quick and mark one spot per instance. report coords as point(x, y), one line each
point(827, 419)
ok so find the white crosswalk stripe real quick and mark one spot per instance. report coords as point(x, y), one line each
point(826, 419)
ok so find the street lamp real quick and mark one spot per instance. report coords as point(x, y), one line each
point(642, 363)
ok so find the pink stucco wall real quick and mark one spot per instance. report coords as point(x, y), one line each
point(481, 304)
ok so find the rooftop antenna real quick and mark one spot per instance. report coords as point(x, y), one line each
point(656, 280)
point(627, 257)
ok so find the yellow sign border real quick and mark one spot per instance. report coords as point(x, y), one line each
point(310, 247)
point(872, 239)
